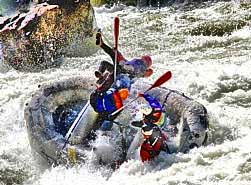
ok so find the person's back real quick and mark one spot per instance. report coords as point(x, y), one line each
point(108, 101)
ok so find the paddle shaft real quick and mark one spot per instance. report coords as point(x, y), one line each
point(116, 38)
point(76, 123)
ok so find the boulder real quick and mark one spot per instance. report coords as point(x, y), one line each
point(38, 38)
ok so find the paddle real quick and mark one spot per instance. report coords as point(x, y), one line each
point(81, 113)
point(161, 80)
point(75, 123)
point(116, 38)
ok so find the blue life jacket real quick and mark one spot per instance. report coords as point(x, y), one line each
point(109, 102)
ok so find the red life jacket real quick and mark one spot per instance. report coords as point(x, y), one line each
point(148, 151)
point(117, 100)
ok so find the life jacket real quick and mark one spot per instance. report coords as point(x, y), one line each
point(154, 143)
point(139, 67)
point(151, 146)
point(162, 120)
point(148, 152)
point(109, 101)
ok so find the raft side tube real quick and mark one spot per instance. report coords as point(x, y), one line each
point(42, 135)
point(84, 125)
point(188, 115)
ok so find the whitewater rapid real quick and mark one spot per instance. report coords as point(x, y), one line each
point(214, 70)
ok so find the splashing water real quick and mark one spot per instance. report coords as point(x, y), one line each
point(207, 48)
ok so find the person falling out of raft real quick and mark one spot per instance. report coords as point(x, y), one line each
point(109, 95)
point(135, 68)
point(154, 139)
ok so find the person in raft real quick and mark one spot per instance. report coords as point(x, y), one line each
point(105, 103)
point(154, 138)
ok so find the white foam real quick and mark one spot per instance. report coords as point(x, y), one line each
point(213, 70)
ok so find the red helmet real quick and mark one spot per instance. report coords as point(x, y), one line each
point(148, 72)
point(147, 60)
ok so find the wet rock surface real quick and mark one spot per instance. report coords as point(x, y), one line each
point(39, 37)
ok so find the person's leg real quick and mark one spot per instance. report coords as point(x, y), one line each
point(104, 65)
point(111, 53)
point(101, 117)
point(108, 50)
point(93, 99)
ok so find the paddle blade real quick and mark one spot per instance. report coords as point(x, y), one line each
point(165, 77)
point(116, 32)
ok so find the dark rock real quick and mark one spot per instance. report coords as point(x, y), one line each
point(39, 38)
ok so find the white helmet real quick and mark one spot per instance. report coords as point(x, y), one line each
point(145, 109)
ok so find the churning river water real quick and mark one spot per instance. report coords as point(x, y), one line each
point(208, 49)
